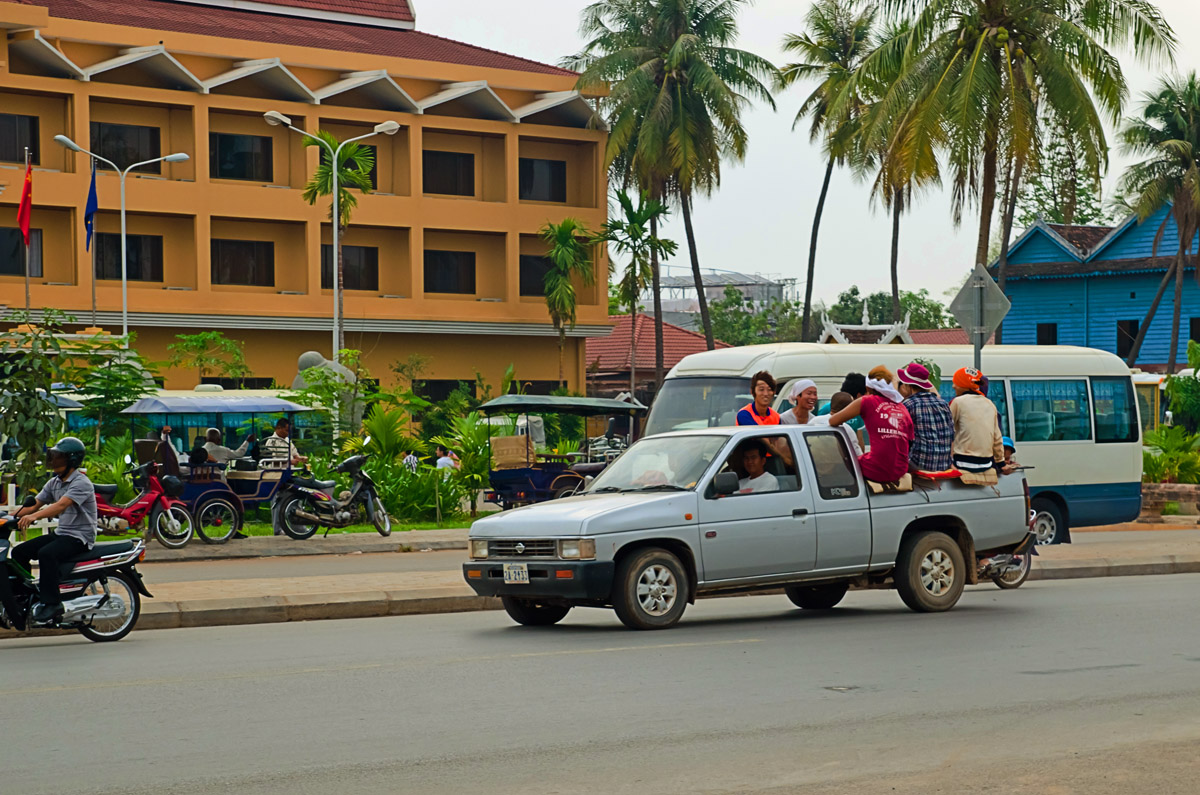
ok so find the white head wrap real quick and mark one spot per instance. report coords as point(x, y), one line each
point(885, 389)
point(799, 387)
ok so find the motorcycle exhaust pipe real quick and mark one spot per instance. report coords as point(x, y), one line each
point(93, 607)
point(308, 517)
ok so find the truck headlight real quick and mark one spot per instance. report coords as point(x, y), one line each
point(577, 549)
point(479, 549)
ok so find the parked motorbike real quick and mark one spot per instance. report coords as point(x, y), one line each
point(304, 504)
point(158, 498)
point(101, 589)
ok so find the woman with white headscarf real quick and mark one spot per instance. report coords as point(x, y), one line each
point(803, 396)
point(888, 423)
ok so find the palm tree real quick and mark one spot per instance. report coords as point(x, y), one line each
point(569, 255)
point(832, 47)
point(677, 90)
point(1167, 135)
point(631, 234)
point(979, 72)
point(354, 171)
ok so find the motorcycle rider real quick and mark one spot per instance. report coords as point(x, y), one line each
point(70, 496)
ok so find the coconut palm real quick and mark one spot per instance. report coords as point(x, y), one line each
point(1167, 135)
point(677, 90)
point(835, 41)
point(569, 255)
point(631, 235)
point(980, 72)
point(354, 171)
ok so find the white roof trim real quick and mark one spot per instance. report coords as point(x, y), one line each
point(245, 69)
point(887, 332)
point(308, 13)
point(135, 55)
point(558, 99)
point(478, 90)
point(378, 82)
point(30, 44)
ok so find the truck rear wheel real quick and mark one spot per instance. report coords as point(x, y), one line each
point(817, 597)
point(650, 590)
point(533, 613)
point(930, 573)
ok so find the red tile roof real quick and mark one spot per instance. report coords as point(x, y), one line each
point(383, 9)
point(1083, 238)
point(611, 354)
point(167, 15)
point(941, 336)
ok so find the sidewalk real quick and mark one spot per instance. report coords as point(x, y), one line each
point(282, 546)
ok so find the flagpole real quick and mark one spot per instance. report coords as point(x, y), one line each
point(94, 323)
point(27, 247)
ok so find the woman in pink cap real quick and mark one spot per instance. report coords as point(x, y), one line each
point(933, 425)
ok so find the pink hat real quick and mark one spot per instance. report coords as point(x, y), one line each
point(915, 374)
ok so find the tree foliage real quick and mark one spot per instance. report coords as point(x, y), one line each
point(569, 253)
point(924, 311)
point(211, 353)
point(1060, 190)
point(110, 380)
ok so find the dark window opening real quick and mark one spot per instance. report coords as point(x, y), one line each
point(144, 257)
point(543, 180)
point(126, 144)
point(243, 262)
point(448, 173)
point(246, 157)
point(533, 274)
point(239, 383)
point(1194, 329)
point(12, 252)
point(450, 272)
point(360, 268)
point(435, 390)
point(1047, 333)
point(1127, 331)
point(18, 131)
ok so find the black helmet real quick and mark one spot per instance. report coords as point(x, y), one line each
point(71, 448)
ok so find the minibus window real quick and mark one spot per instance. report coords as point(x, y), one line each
point(1115, 418)
point(688, 403)
point(997, 393)
point(1052, 411)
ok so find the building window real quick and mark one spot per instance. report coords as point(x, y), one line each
point(543, 180)
point(126, 144)
point(1127, 331)
point(144, 257)
point(1047, 333)
point(436, 390)
point(16, 133)
point(243, 262)
point(533, 275)
point(448, 173)
point(248, 382)
point(1194, 329)
point(373, 173)
point(246, 157)
point(12, 252)
point(450, 272)
point(360, 268)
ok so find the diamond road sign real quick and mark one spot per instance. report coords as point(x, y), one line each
point(980, 306)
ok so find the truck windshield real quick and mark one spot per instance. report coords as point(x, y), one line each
point(665, 463)
point(690, 403)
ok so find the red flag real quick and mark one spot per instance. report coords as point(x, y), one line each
point(26, 203)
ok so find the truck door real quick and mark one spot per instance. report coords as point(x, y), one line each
point(843, 515)
point(759, 533)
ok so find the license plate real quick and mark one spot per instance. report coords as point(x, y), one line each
point(516, 573)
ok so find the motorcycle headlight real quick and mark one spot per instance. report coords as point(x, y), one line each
point(577, 549)
point(479, 549)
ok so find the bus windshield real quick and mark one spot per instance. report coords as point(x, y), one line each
point(690, 403)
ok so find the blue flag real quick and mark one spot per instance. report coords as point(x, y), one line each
point(89, 212)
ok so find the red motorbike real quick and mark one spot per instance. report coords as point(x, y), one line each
point(158, 500)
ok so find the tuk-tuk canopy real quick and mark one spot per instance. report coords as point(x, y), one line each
point(560, 404)
point(214, 404)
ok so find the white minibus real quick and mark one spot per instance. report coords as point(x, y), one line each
point(1071, 412)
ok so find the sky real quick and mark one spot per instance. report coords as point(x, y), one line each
point(760, 221)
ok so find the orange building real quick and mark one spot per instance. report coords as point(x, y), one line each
point(442, 259)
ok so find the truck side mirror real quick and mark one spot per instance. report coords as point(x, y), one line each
point(725, 483)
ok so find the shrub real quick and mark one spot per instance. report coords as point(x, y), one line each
point(108, 466)
point(417, 496)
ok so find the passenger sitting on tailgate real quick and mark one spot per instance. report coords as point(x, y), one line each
point(978, 443)
point(754, 461)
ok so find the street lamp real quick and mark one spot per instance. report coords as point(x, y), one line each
point(277, 119)
point(177, 157)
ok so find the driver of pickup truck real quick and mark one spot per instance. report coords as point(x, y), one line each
point(754, 461)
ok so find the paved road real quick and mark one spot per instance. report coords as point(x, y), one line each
point(1067, 687)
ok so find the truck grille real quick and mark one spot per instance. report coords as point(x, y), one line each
point(523, 548)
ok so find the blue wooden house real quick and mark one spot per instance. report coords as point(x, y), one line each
point(1092, 286)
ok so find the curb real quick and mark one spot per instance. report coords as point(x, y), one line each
point(1107, 567)
point(199, 551)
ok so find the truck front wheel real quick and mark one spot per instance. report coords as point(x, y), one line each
point(930, 573)
point(650, 590)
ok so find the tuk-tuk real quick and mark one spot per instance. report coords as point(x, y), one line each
point(216, 494)
point(520, 475)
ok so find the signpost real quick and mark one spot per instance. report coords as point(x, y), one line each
point(979, 308)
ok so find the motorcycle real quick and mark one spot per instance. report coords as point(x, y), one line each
point(158, 498)
point(304, 504)
point(101, 590)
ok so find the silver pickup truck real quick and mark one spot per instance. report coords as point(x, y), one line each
point(725, 510)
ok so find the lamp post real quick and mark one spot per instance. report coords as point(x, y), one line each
point(177, 157)
point(277, 119)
